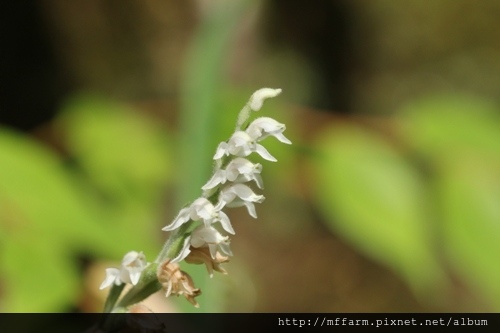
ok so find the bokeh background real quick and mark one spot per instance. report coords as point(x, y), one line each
point(387, 201)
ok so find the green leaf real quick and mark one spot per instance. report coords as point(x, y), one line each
point(469, 192)
point(375, 199)
point(126, 154)
point(460, 139)
point(39, 275)
point(441, 127)
point(44, 220)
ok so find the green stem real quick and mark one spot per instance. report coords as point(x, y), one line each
point(243, 117)
point(113, 295)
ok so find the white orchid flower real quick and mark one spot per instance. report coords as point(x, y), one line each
point(201, 209)
point(209, 236)
point(132, 265)
point(241, 144)
point(263, 127)
point(238, 195)
point(239, 170)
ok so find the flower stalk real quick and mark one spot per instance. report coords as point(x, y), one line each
point(197, 232)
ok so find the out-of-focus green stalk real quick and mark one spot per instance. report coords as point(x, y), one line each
point(203, 78)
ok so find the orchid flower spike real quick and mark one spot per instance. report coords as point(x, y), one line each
point(193, 235)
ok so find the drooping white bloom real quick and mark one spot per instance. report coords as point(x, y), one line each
point(209, 236)
point(238, 195)
point(239, 170)
point(241, 144)
point(201, 209)
point(132, 265)
point(263, 127)
point(257, 99)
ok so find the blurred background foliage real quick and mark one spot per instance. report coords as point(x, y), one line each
point(388, 200)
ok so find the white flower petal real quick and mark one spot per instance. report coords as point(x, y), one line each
point(251, 209)
point(213, 250)
point(184, 252)
point(259, 181)
point(225, 249)
point(181, 218)
point(219, 177)
point(245, 193)
point(131, 256)
point(282, 138)
point(203, 209)
point(203, 234)
point(226, 223)
point(111, 277)
point(207, 236)
point(221, 150)
point(134, 277)
point(264, 153)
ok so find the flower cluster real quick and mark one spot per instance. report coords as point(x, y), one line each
point(228, 187)
point(196, 230)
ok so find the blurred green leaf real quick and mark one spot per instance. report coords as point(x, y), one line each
point(445, 126)
point(126, 156)
point(44, 219)
point(40, 274)
point(125, 153)
point(375, 199)
point(460, 138)
point(469, 191)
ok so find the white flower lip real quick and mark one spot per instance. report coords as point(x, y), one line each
point(257, 99)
